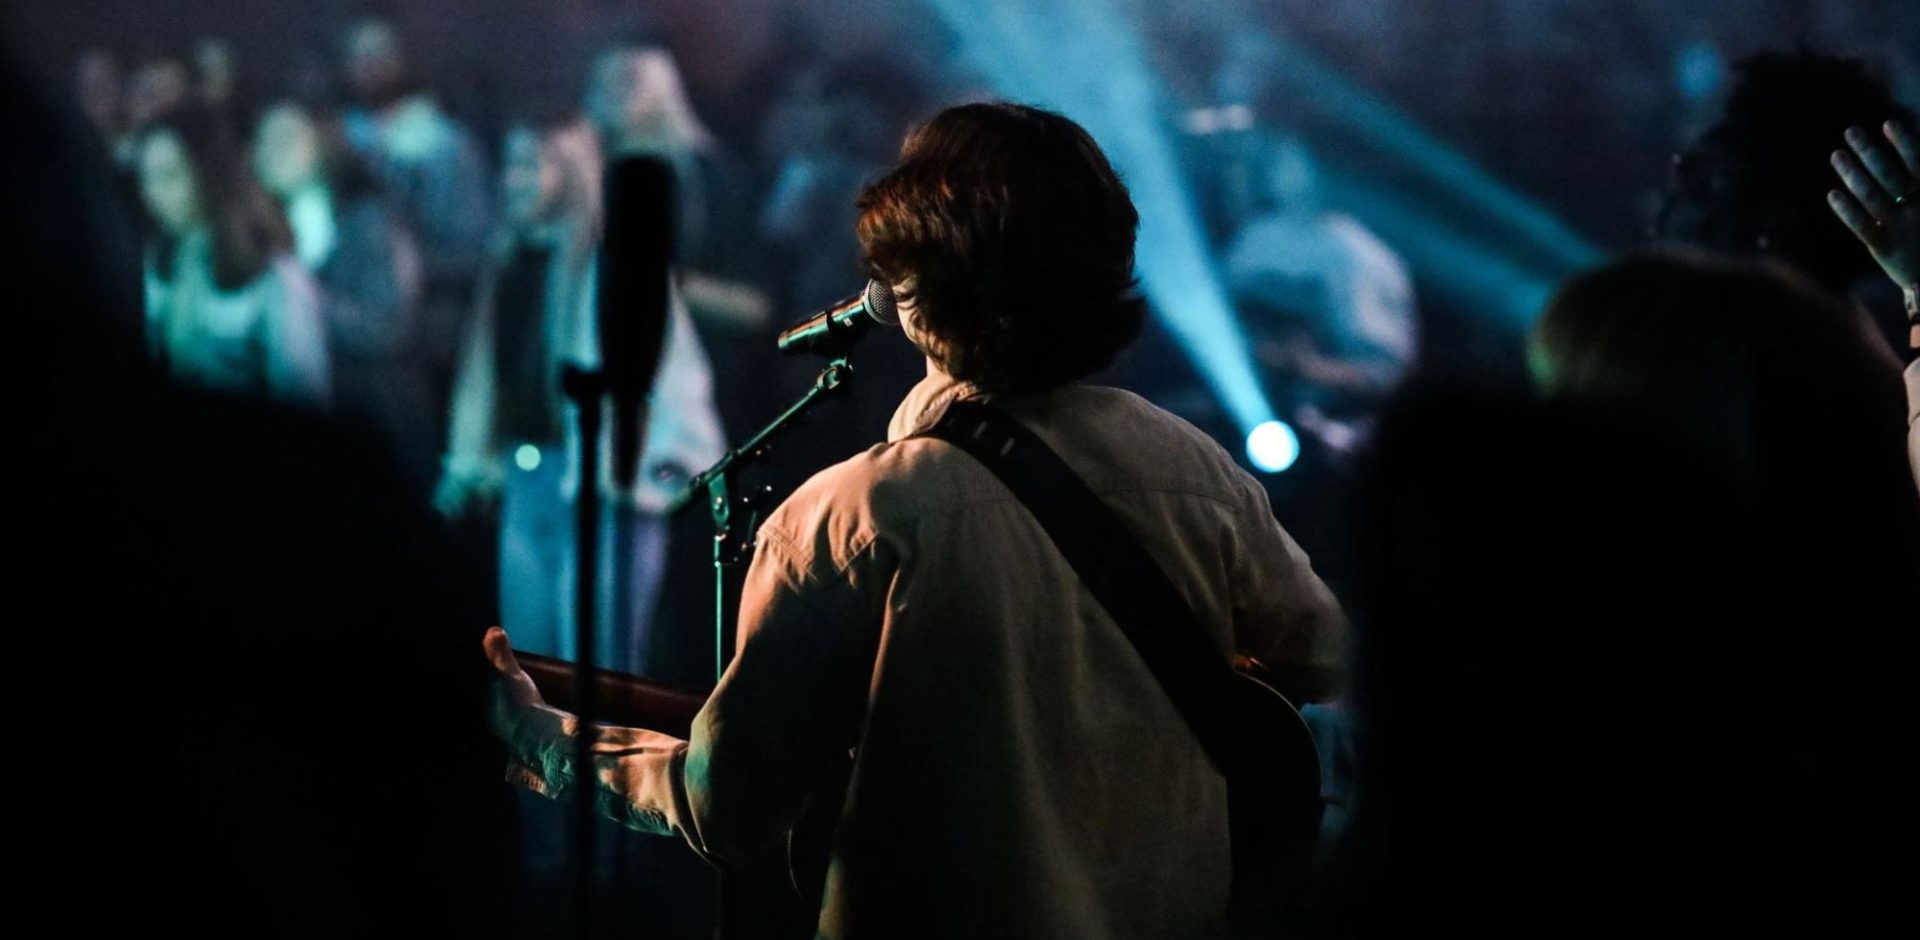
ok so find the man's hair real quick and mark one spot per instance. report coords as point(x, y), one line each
point(1015, 239)
point(1756, 182)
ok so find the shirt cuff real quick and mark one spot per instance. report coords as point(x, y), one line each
point(540, 751)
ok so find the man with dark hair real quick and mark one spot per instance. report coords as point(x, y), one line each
point(1019, 771)
point(1010, 235)
point(434, 171)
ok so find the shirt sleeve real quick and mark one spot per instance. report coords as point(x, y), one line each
point(1283, 614)
point(787, 710)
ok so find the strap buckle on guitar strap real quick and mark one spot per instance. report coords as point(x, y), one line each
point(1112, 563)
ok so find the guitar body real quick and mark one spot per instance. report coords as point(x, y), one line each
point(1273, 799)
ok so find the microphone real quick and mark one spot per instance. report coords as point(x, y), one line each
point(636, 257)
point(832, 331)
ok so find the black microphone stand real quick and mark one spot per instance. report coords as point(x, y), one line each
point(733, 542)
point(587, 389)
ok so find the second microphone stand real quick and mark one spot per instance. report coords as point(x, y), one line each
point(733, 541)
point(736, 519)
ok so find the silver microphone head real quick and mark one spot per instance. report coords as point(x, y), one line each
point(878, 298)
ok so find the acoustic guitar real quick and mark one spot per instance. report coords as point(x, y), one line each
point(1273, 796)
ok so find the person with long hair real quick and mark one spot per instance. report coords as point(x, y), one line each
point(638, 104)
point(228, 305)
point(513, 436)
point(369, 270)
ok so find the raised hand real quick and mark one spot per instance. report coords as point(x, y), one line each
point(513, 690)
point(1881, 203)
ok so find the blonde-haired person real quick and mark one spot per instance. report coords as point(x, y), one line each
point(638, 104)
point(513, 435)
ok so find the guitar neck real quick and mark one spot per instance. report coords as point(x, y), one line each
point(619, 698)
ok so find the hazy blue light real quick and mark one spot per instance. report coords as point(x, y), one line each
point(527, 457)
point(1698, 70)
point(1084, 58)
point(1273, 447)
point(1457, 177)
point(1475, 274)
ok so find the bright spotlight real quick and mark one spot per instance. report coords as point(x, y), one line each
point(1273, 447)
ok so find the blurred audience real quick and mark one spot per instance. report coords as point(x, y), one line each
point(159, 84)
point(513, 431)
point(434, 171)
point(228, 305)
point(102, 100)
point(826, 137)
point(218, 86)
point(237, 594)
point(369, 269)
point(823, 140)
point(638, 105)
point(1329, 307)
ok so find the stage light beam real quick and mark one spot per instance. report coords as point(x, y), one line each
point(1085, 59)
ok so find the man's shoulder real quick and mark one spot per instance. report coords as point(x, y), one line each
point(1122, 445)
point(844, 509)
point(1119, 434)
point(1119, 406)
point(1109, 435)
point(887, 479)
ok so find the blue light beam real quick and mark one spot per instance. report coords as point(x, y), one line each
point(1084, 59)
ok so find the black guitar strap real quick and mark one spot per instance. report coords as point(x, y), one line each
point(1112, 564)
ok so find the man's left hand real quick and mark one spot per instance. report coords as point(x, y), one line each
point(513, 690)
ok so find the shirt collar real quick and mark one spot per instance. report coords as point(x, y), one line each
point(926, 403)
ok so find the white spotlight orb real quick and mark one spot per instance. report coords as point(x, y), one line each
point(1273, 447)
